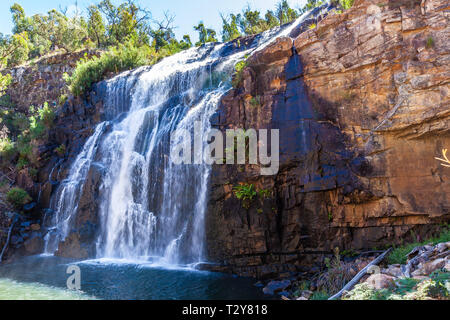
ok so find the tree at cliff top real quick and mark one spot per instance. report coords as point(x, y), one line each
point(126, 21)
point(250, 22)
point(205, 34)
point(342, 4)
point(45, 33)
point(96, 26)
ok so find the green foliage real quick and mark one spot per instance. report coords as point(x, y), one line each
point(107, 26)
point(13, 50)
point(46, 115)
point(330, 216)
point(239, 70)
point(5, 100)
point(33, 173)
point(364, 292)
point(21, 50)
point(24, 131)
point(255, 101)
point(205, 34)
point(265, 193)
point(430, 42)
point(96, 26)
point(250, 22)
point(126, 21)
point(5, 81)
point(398, 255)
point(435, 287)
point(246, 193)
point(349, 253)
point(406, 285)
point(8, 150)
point(311, 4)
point(62, 99)
point(337, 275)
point(319, 295)
point(22, 163)
point(24, 146)
point(285, 13)
point(230, 29)
point(40, 121)
point(118, 59)
point(346, 4)
point(18, 197)
point(37, 128)
point(19, 122)
point(61, 150)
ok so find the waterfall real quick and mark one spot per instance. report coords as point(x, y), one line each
point(148, 207)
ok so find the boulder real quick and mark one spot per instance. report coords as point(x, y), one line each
point(442, 247)
point(393, 271)
point(447, 266)
point(34, 245)
point(71, 247)
point(434, 265)
point(276, 286)
point(306, 294)
point(302, 298)
point(380, 281)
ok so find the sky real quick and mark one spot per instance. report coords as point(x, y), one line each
point(187, 12)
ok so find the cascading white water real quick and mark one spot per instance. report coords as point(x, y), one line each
point(149, 207)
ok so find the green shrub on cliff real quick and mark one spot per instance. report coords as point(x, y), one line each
point(246, 193)
point(239, 71)
point(61, 150)
point(8, 150)
point(46, 115)
point(118, 59)
point(18, 197)
point(5, 81)
point(346, 4)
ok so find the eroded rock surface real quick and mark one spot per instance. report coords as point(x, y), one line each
point(362, 104)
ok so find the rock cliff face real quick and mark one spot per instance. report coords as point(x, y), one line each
point(362, 104)
point(33, 85)
point(42, 81)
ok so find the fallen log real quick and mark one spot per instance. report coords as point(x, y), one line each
point(360, 274)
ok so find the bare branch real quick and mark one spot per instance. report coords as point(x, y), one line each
point(445, 160)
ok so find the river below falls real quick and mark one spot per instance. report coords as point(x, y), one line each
point(45, 278)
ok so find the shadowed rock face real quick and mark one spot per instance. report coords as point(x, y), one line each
point(362, 104)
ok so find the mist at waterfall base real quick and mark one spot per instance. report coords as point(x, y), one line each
point(151, 230)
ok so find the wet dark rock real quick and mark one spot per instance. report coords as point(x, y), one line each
point(30, 206)
point(25, 224)
point(276, 286)
point(15, 240)
point(34, 245)
point(71, 247)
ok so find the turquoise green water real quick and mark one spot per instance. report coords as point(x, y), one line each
point(13, 290)
point(45, 278)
